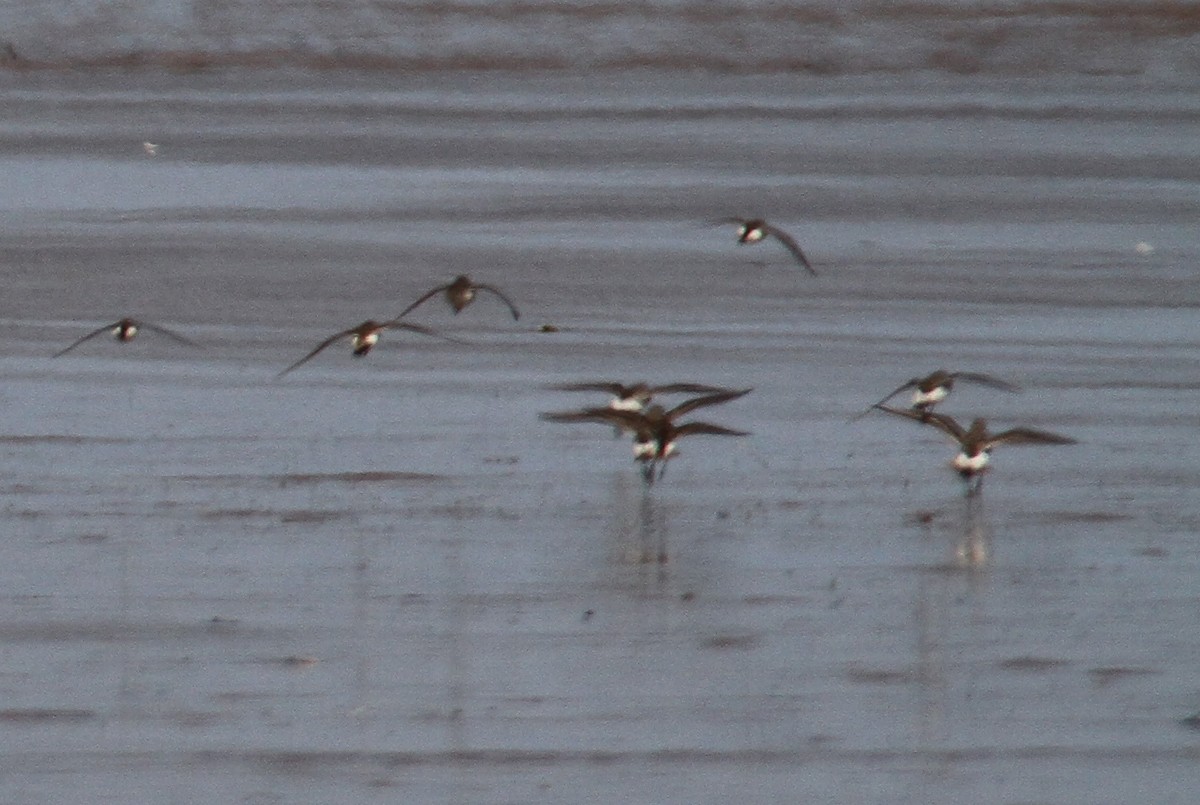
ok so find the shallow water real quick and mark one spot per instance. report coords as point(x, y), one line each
point(1153, 38)
point(386, 580)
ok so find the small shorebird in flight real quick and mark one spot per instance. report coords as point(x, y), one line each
point(756, 230)
point(976, 443)
point(363, 337)
point(637, 396)
point(654, 429)
point(934, 387)
point(124, 330)
point(460, 293)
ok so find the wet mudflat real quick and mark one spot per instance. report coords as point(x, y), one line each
point(385, 580)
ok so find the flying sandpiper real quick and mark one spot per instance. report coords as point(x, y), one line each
point(976, 443)
point(124, 331)
point(934, 387)
point(654, 428)
point(363, 337)
point(636, 396)
point(756, 230)
point(460, 293)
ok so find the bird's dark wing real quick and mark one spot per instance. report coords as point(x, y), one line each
point(167, 333)
point(880, 405)
point(599, 385)
point(947, 424)
point(426, 297)
point(319, 347)
point(987, 380)
point(940, 421)
point(516, 314)
point(92, 334)
point(627, 420)
point(1027, 436)
point(792, 246)
point(709, 399)
point(395, 324)
point(688, 388)
point(704, 428)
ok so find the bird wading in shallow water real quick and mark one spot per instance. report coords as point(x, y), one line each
point(654, 429)
point(460, 293)
point(976, 442)
point(363, 337)
point(934, 387)
point(124, 330)
point(756, 230)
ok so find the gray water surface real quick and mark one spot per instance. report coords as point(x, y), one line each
point(386, 580)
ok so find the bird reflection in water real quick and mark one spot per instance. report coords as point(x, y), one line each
point(970, 535)
point(641, 524)
point(972, 550)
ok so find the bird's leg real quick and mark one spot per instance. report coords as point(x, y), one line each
point(974, 504)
